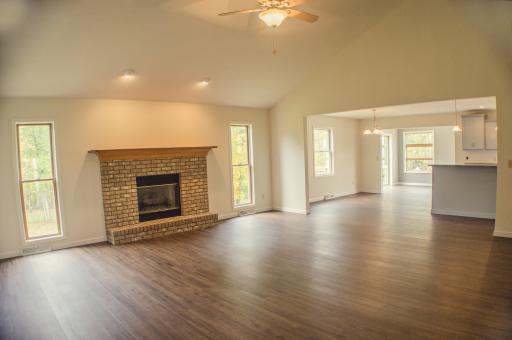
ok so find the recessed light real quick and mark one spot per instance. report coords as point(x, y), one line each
point(481, 106)
point(205, 82)
point(128, 75)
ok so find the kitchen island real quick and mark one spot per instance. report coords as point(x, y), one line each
point(464, 190)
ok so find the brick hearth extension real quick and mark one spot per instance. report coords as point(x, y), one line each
point(119, 170)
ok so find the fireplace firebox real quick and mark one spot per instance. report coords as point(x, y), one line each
point(158, 196)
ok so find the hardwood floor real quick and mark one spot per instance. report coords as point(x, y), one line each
point(365, 266)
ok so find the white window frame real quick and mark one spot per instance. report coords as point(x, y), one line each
point(404, 148)
point(250, 148)
point(55, 179)
point(331, 152)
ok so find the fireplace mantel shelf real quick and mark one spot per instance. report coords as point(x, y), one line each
point(147, 153)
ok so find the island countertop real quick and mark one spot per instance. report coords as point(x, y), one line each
point(486, 165)
point(464, 189)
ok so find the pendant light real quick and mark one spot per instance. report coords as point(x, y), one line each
point(456, 128)
point(375, 130)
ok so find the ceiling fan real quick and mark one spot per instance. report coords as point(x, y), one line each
point(274, 12)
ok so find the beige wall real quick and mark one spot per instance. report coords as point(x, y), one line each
point(402, 59)
point(346, 157)
point(82, 125)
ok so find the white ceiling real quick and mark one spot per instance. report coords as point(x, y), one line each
point(439, 107)
point(78, 48)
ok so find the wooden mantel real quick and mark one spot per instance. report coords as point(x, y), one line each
point(147, 153)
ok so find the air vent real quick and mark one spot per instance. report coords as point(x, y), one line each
point(35, 250)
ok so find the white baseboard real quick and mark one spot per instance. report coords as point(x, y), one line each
point(234, 214)
point(9, 254)
point(322, 198)
point(227, 216)
point(79, 243)
point(463, 213)
point(292, 210)
point(414, 184)
point(6, 255)
point(498, 233)
point(370, 191)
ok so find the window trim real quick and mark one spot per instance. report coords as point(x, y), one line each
point(331, 152)
point(250, 151)
point(54, 179)
point(404, 148)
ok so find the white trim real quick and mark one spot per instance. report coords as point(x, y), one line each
point(414, 184)
point(463, 213)
point(334, 196)
point(291, 210)
point(228, 216)
point(331, 152)
point(250, 147)
point(79, 243)
point(507, 234)
point(10, 254)
point(16, 253)
point(370, 191)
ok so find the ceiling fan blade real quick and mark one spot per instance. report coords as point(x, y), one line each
point(243, 11)
point(293, 13)
point(293, 3)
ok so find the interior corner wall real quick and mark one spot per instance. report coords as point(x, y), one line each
point(82, 125)
point(404, 58)
point(345, 136)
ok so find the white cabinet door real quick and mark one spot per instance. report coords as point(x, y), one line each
point(491, 138)
point(473, 136)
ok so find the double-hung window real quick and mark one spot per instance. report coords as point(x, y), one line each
point(419, 151)
point(38, 180)
point(241, 164)
point(323, 152)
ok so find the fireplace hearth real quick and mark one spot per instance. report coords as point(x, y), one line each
point(158, 196)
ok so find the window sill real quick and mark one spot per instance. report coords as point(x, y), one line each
point(417, 172)
point(44, 239)
point(326, 175)
point(242, 206)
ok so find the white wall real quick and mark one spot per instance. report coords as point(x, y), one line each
point(83, 125)
point(402, 59)
point(346, 157)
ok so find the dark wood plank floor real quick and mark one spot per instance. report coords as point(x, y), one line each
point(366, 266)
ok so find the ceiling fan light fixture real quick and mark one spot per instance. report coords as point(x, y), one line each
point(273, 17)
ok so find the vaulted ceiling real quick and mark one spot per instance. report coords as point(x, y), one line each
point(79, 48)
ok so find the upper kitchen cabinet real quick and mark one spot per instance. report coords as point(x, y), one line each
point(491, 138)
point(473, 132)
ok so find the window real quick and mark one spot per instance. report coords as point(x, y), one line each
point(241, 164)
point(419, 151)
point(37, 180)
point(322, 144)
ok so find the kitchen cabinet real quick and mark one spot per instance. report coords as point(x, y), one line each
point(473, 132)
point(491, 138)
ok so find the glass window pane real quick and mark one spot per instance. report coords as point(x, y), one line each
point(419, 166)
point(321, 139)
point(40, 209)
point(241, 185)
point(239, 145)
point(418, 138)
point(419, 152)
point(322, 163)
point(35, 152)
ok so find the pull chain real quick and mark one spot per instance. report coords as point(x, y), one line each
point(274, 46)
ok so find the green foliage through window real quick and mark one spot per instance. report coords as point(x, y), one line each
point(322, 152)
point(419, 151)
point(38, 185)
point(241, 164)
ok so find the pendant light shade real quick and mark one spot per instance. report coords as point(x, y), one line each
point(375, 130)
point(456, 128)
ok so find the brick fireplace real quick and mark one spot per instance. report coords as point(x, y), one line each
point(149, 193)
